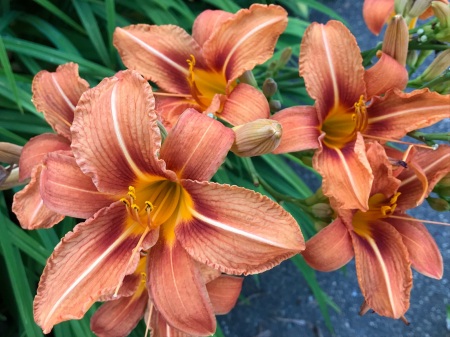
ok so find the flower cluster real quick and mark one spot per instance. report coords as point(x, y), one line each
point(159, 240)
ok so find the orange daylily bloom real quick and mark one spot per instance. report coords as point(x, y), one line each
point(56, 95)
point(377, 12)
point(118, 316)
point(348, 109)
point(384, 240)
point(162, 200)
point(201, 71)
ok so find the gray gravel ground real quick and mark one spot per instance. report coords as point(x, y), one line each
point(280, 304)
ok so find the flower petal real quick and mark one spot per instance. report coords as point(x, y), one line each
point(67, 190)
point(170, 108)
point(386, 74)
point(115, 135)
point(236, 230)
point(187, 149)
point(397, 113)
point(330, 249)
point(36, 149)
point(224, 292)
point(383, 269)
point(56, 95)
point(88, 263)
point(331, 64)
point(428, 167)
point(177, 290)
point(29, 208)
point(159, 325)
point(347, 176)
point(245, 104)
point(119, 317)
point(246, 40)
point(159, 53)
point(206, 23)
point(300, 129)
point(376, 13)
point(423, 252)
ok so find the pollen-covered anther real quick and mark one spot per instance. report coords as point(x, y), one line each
point(360, 115)
point(132, 194)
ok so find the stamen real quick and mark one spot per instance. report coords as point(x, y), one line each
point(404, 320)
point(147, 323)
point(398, 141)
point(168, 94)
point(360, 116)
point(419, 220)
point(126, 202)
point(133, 253)
point(132, 194)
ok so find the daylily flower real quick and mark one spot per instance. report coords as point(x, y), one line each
point(384, 240)
point(118, 317)
point(201, 71)
point(377, 12)
point(162, 200)
point(56, 95)
point(347, 110)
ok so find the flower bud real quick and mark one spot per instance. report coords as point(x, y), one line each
point(275, 105)
point(10, 153)
point(402, 7)
point(269, 87)
point(249, 78)
point(440, 64)
point(322, 211)
point(9, 178)
point(286, 55)
point(438, 204)
point(396, 39)
point(418, 7)
point(443, 186)
point(442, 13)
point(256, 138)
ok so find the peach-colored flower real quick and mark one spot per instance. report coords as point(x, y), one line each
point(56, 95)
point(201, 71)
point(162, 200)
point(118, 316)
point(347, 110)
point(384, 240)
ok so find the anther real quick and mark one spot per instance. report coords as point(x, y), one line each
point(135, 207)
point(126, 202)
point(149, 206)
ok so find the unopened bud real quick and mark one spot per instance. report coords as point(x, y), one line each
point(256, 138)
point(275, 105)
point(269, 87)
point(286, 55)
point(249, 78)
point(411, 58)
point(443, 187)
point(418, 7)
point(9, 178)
point(319, 225)
point(396, 39)
point(438, 204)
point(442, 13)
point(322, 211)
point(402, 7)
point(10, 153)
point(440, 64)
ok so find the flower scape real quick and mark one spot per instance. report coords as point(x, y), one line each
point(179, 166)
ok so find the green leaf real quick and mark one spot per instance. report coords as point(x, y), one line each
point(60, 14)
point(4, 61)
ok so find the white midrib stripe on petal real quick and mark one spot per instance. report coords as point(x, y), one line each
point(237, 231)
point(404, 112)
point(384, 271)
point(64, 97)
point(245, 37)
point(89, 270)
point(120, 139)
point(155, 52)
point(424, 169)
point(330, 64)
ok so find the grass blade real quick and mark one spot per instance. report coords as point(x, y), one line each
point(60, 14)
point(4, 61)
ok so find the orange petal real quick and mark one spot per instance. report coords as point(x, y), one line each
point(423, 252)
point(29, 208)
point(331, 64)
point(347, 176)
point(119, 317)
point(376, 13)
point(67, 190)
point(245, 104)
point(35, 150)
point(246, 40)
point(330, 249)
point(386, 74)
point(159, 325)
point(300, 129)
point(56, 95)
point(88, 263)
point(170, 108)
point(383, 269)
point(236, 230)
point(177, 290)
point(159, 53)
point(397, 113)
point(224, 292)
point(116, 139)
point(428, 167)
point(187, 149)
point(207, 23)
